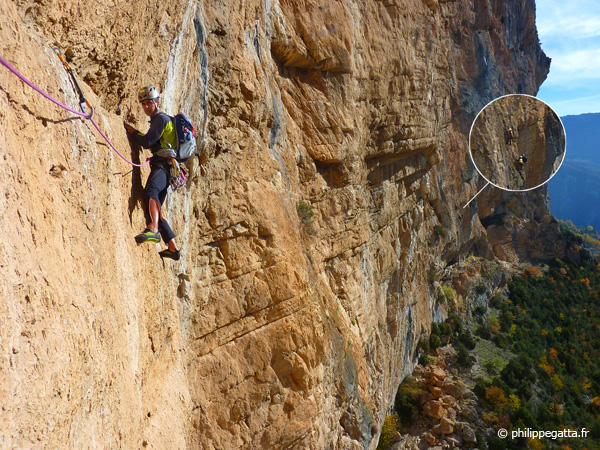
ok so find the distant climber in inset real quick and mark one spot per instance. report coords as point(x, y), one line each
point(510, 135)
point(521, 161)
point(161, 138)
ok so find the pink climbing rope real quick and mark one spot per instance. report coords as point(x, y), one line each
point(113, 147)
point(87, 116)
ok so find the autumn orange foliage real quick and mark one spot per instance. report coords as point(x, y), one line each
point(495, 396)
point(533, 272)
point(548, 368)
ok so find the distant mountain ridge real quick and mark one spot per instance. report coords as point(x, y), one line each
point(582, 137)
point(575, 189)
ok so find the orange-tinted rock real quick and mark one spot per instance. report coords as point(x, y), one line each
point(429, 438)
point(436, 374)
point(436, 392)
point(277, 327)
point(434, 409)
point(447, 426)
point(456, 389)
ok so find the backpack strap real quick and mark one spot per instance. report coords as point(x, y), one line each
point(168, 138)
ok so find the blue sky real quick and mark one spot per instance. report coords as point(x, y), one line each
point(569, 31)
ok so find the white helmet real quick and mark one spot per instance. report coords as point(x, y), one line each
point(148, 93)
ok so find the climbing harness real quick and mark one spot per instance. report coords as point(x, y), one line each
point(82, 101)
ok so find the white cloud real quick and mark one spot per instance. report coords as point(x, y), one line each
point(575, 66)
point(570, 35)
point(571, 26)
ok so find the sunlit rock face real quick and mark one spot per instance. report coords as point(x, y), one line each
point(322, 209)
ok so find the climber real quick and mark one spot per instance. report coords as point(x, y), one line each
point(521, 161)
point(510, 136)
point(160, 139)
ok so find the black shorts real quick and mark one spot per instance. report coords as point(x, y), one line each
point(156, 189)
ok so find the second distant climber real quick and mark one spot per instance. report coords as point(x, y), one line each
point(521, 161)
point(160, 139)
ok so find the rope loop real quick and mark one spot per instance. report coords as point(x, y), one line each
point(81, 114)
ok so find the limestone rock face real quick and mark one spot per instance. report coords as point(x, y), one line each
point(331, 179)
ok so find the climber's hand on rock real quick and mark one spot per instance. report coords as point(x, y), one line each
point(129, 128)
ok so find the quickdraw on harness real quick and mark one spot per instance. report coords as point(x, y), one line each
point(82, 101)
point(177, 175)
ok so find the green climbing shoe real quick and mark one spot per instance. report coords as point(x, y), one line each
point(147, 236)
point(169, 254)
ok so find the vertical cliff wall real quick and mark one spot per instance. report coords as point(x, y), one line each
point(332, 178)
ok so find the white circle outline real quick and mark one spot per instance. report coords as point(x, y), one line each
point(518, 190)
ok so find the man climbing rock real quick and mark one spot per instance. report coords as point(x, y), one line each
point(521, 161)
point(160, 139)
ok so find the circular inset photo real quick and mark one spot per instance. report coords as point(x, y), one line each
point(517, 142)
